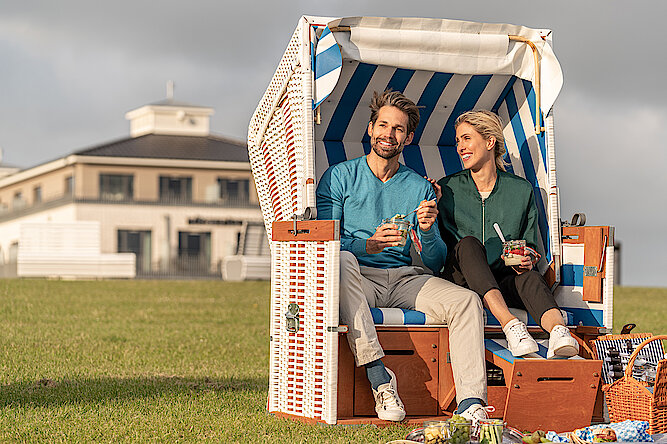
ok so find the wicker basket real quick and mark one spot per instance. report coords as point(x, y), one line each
point(629, 398)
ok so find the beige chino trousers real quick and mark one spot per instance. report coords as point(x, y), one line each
point(408, 287)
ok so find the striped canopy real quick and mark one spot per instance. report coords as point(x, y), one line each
point(345, 81)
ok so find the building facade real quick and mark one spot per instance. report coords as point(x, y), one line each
point(178, 197)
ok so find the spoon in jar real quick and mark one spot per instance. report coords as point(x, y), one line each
point(500, 233)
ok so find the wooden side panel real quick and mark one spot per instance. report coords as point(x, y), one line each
point(593, 249)
point(345, 378)
point(552, 394)
point(307, 230)
point(446, 390)
point(413, 357)
point(595, 240)
point(497, 396)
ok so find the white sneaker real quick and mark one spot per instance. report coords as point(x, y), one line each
point(388, 405)
point(519, 341)
point(476, 413)
point(561, 343)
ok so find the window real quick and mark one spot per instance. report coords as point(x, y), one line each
point(194, 244)
point(18, 201)
point(234, 190)
point(36, 195)
point(139, 243)
point(176, 189)
point(116, 187)
point(69, 185)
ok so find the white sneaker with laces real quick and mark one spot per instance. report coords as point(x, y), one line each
point(476, 413)
point(519, 341)
point(561, 343)
point(388, 405)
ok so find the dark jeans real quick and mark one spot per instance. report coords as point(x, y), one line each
point(467, 266)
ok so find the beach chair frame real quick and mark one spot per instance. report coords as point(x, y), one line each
point(291, 141)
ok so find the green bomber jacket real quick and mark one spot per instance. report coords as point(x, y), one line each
point(463, 213)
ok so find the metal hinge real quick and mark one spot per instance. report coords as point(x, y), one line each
point(292, 318)
point(590, 271)
point(339, 329)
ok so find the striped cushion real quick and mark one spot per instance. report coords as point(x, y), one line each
point(401, 316)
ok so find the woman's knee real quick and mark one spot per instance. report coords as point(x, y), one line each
point(469, 242)
point(531, 277)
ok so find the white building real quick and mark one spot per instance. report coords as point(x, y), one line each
point(178, 197)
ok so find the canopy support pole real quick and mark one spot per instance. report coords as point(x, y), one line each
point(538, 96)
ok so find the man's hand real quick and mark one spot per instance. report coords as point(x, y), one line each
point(526, 264)
point(385, 236)
point(436, 188)
point(427, 214)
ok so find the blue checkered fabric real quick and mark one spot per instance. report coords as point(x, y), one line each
point(626, 431)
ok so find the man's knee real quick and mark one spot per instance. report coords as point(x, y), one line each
point(348, 261)
point(472, 300)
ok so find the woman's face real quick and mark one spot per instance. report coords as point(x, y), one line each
point(475, 152)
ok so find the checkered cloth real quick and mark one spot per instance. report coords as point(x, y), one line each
point(626, 431)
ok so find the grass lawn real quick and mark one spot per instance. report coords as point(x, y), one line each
point(164, 361)
point(143, 361)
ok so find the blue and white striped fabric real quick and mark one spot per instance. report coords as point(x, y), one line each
point(342, 134)
point(327, 66)
point(401, 316)
point(499, 348)
point(569, 294)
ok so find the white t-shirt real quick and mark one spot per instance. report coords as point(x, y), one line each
point(485, 194)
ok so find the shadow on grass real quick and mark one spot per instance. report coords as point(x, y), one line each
point(48, 392)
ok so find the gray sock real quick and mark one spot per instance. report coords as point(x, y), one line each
point(377, 374)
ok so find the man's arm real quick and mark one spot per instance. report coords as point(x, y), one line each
point(330, 197)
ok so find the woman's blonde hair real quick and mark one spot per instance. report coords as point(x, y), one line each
point(487, 124)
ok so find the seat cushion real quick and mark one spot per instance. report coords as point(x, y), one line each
point(402, 316)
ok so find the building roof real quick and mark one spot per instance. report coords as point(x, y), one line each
point(172, 102)
point(159, 146)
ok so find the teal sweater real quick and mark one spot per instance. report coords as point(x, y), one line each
point(463, 213)
point(351, 193)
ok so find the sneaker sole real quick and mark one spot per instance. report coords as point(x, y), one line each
point(391, 417)
point(566, 351)
point(525, 351)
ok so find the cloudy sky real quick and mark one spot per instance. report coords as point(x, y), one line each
point(70, 70)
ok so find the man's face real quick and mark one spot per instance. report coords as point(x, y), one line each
point(389, 133)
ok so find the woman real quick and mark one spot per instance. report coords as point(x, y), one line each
point(470, 202)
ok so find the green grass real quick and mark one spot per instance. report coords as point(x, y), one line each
point(166, 361)
point(143, 361)
point(646, 307)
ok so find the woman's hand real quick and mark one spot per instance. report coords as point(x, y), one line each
point(526, 264)
point(436, 188)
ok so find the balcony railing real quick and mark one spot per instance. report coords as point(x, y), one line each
point(12, 213)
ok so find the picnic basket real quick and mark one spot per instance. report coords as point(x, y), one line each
point(629, 398)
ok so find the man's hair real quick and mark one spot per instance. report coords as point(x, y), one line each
point(398, 100)
point(487, 124)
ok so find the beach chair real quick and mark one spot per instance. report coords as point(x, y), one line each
point(315, 114)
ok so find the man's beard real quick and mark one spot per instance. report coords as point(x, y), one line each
point(386, 153)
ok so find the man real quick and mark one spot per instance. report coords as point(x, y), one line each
point(375, 270)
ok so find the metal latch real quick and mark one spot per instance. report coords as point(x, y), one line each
point(292, 318)
point(295, 218)
point(590, 271)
